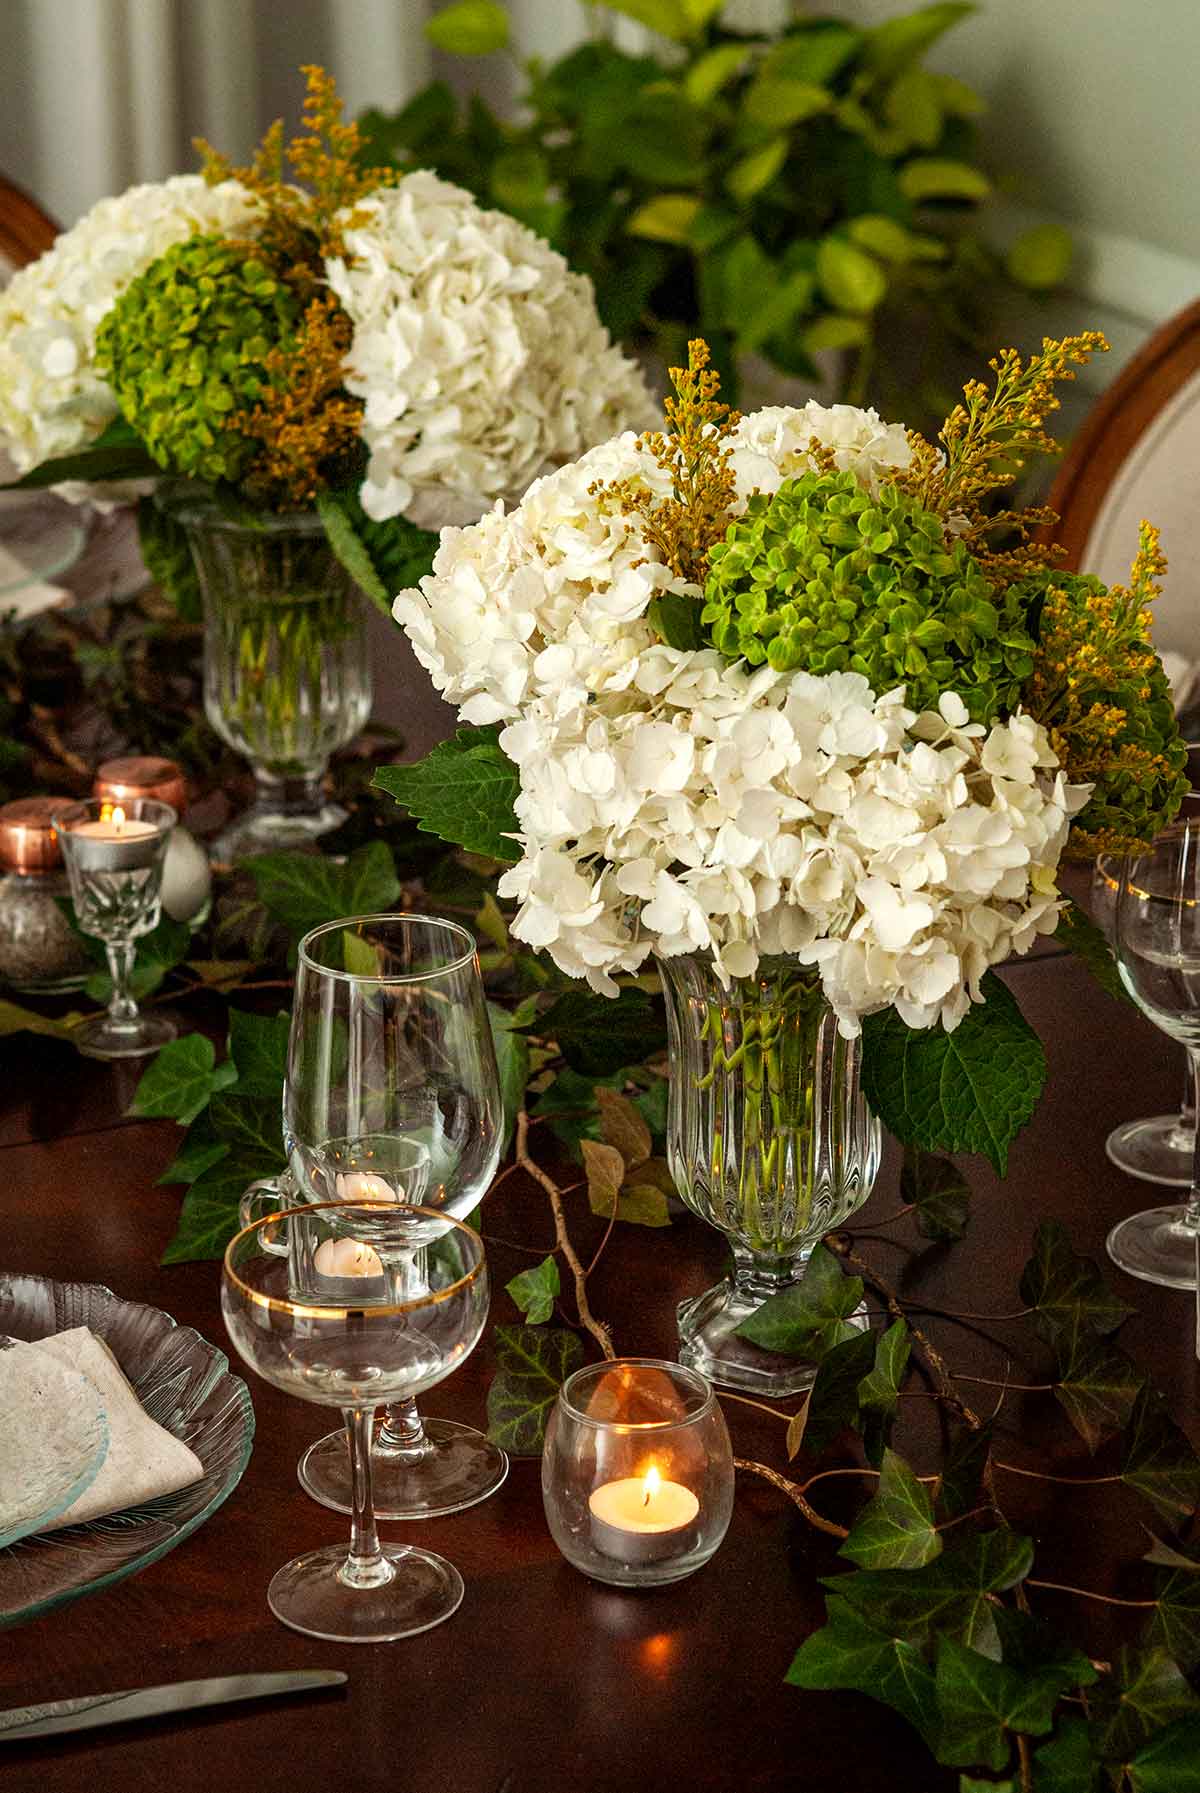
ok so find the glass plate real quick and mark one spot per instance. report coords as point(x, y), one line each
point(184, 1383)
point(56, 1469)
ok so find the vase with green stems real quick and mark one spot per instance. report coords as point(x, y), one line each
point(769, 1140)
point(287, 678)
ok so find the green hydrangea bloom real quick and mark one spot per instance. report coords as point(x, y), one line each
point(184, 350)
point(824, 577)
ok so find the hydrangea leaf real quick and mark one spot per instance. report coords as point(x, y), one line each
point(967, 1091)
point(181, 1080)
point(536, 1290)
point(469, 28)
point(930, 177)
point(463, 791)
point(811, 1317)
point(532, 1367)
point(896, 1529)
point(1041, 256)
point(118, 453)
point(1079, 934)
point(850, 1652)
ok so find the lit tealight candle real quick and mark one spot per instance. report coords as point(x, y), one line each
point(115, 842)
point(365, 1186)
point(346, 1257)
point(642, 1519)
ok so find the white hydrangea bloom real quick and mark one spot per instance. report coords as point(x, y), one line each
point(479, 355)
point(53, 399)
point(678, 802)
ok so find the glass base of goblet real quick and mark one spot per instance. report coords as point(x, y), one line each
point(709, 1342)
point(310, 1595)
point(460, 1468)
point(1156, 1245)
point(105, 1038)
point(1157, 1149)
point(263, 829)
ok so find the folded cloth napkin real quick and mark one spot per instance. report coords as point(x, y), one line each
point(142, 1459)
point(23, 596)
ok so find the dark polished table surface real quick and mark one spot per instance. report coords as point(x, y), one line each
point(544, 1682)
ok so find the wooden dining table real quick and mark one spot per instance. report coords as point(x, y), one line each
point(543, 1681)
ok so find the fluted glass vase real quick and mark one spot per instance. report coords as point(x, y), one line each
point(769, 1139)
point(287, 678)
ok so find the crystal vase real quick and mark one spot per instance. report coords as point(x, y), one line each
point(769, 1139)
point(287, 677)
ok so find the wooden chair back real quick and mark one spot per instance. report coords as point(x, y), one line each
point(26, 231)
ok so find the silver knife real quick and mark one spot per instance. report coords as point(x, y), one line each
point(85, 1714)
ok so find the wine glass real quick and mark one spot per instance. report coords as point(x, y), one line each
point(1157, 1148)
point(391, 1079)
point(114, 857)
point(1157, 941)
point(309, 1300)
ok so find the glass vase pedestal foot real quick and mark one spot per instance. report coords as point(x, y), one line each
point(1157, 1149)
point(709, 1342)
point(318, 1594)
point(456, 1467)
point(1158, 1245)
point(286, 813)
point(107, 1037)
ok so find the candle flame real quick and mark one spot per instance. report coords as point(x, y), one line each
point(117, 818)
point(651, 1485)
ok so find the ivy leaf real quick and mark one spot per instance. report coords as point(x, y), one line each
point(1176, 1622)
point(512, 1065)
point(811, 1317)
point(639, 1204)
point(258, 1047)
point(463, 791)
point(15, 1019)
point(1066, 1765)
point(1067, 1290)
point(850, 1652)
point(964, 1469)
point(181, 1080)
point(1033, 1647)
point(200, 1150)
point(1147, 1692)
point(1158, 1459)
point(535, 1291)
point(950, 1594)
point(1098, 1389)
point(302, 890)
point(208, 1218)
point(598, 1035)
point(895, 1530)
point(251, 1126)
point(981, 1701)
point(938, 1191)
point(532, 1367)
point(833, 1398)
point(1170, 1556)
point(879, 1389)
point(623, 1127)
point(967, 1091)
point(165, 946)
point(1170, 1762)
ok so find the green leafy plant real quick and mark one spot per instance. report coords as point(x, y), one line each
point(782, 193)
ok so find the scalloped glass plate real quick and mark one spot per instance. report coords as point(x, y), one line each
point(184, 1383)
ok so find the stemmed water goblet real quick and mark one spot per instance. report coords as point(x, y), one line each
point(114, 858)
point(1157, 942)
point(392, 1090)
point(339, 1335)
point(1156, 1148)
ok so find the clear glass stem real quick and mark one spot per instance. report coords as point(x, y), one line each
point(402, 1433)
point(1192, 1215)
point(301, 795)
point(122, 1009)
point(366, 1566)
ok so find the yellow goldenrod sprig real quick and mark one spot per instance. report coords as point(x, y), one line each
point(693, 451)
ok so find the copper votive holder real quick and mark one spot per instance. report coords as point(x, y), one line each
point(142, 775)
point(28, 841)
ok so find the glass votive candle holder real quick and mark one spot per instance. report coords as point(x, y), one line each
point(637, 1472)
